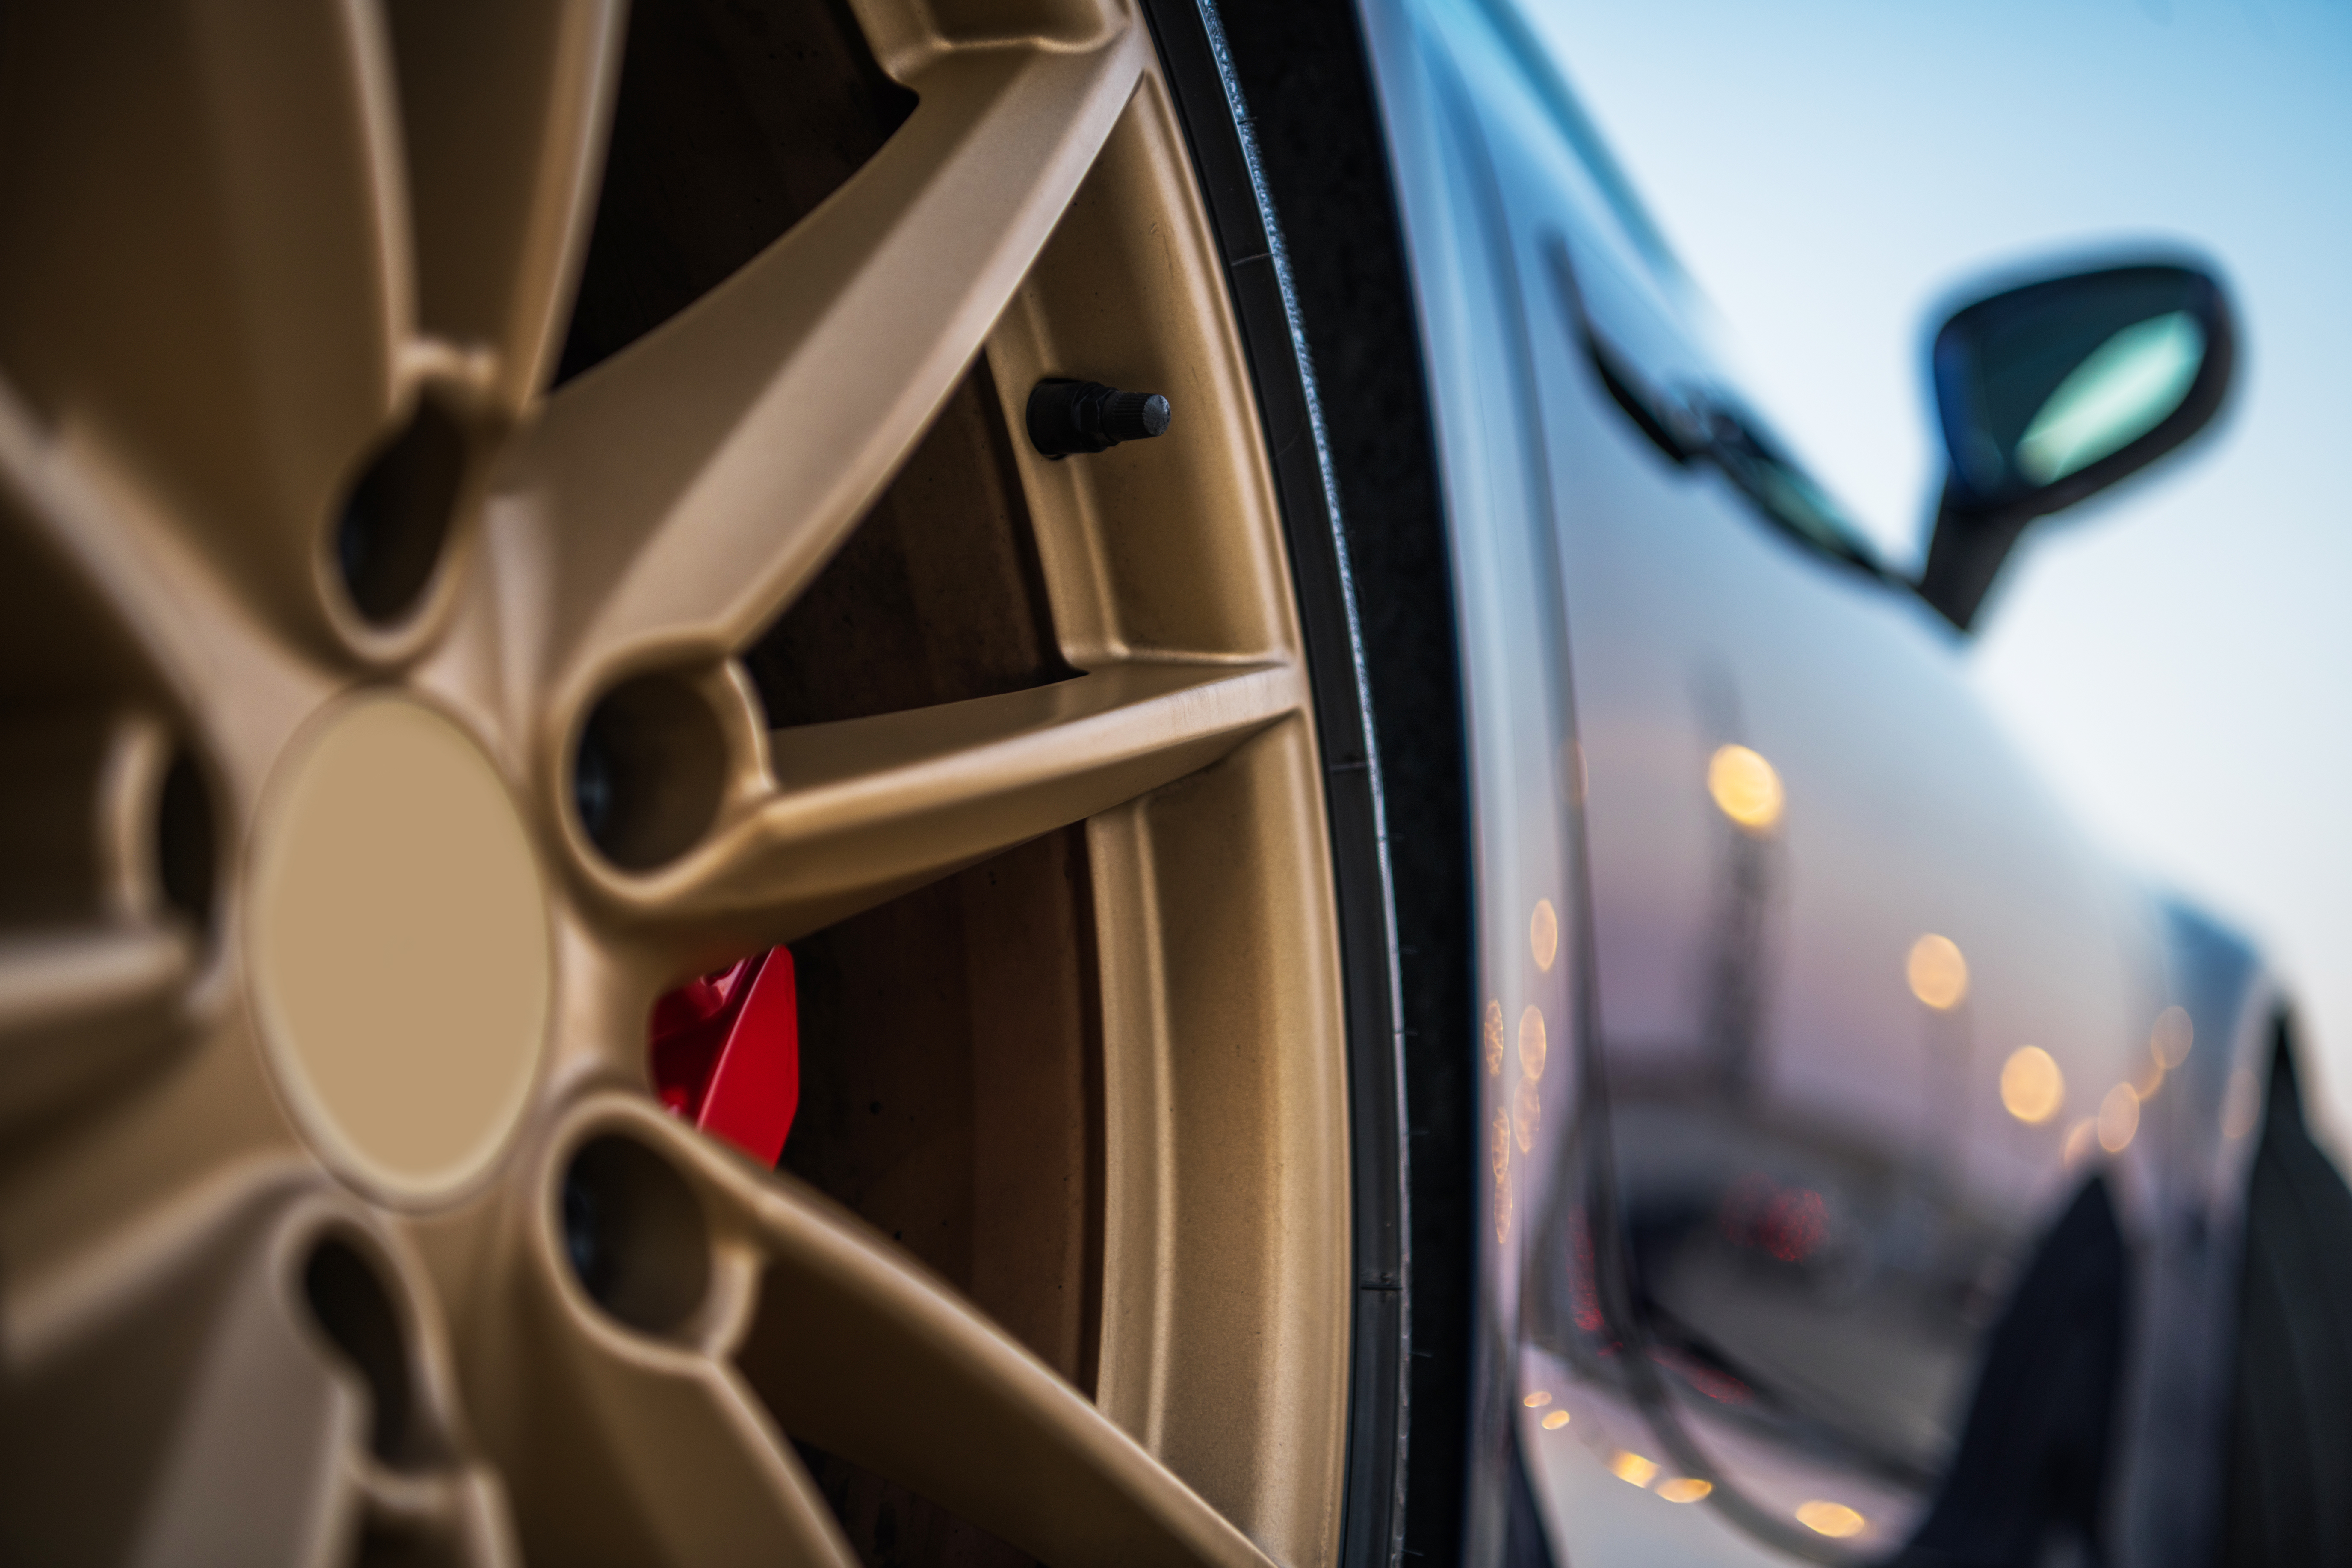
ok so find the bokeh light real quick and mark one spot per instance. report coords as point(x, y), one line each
point(1745, 787)
point(1627, 1466)
point(2032, 1087)
point(1832, 1518)
point(1938, 973)
point(2172, 1037)
point(1543, 934)
point(2118, 1118)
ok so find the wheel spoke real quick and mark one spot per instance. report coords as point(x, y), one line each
point(504, 109)
point(699, 477)
point(252, 145)
point(860, 1355)
point(865, 808)
point(273, 1378)
point(659, 1459)
point(228, 1434)
point(624, 1447)
point(75, 1008)
point(148, 613)
point(461, 1513)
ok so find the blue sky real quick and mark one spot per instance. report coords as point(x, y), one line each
point(2178, 655)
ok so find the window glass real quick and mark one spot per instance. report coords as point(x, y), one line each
point(1784, 492)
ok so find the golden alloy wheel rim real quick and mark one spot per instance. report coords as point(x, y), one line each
point(334, 1213)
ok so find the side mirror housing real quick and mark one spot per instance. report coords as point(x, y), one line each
point(2050, 393)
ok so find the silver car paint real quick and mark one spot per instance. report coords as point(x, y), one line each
point(1729, 1005)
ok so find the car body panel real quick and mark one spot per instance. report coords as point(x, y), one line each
point(1761, 1235)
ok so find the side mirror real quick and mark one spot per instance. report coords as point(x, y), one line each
point(2052, 392)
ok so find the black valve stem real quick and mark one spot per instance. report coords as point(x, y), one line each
point(1067, 416)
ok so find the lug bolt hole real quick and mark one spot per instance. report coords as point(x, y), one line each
point(350, 1303)
point(183, 847)
point(633, 1234)
point(396, 519)
point(648, 773)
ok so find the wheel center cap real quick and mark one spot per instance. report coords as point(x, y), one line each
point(400, 948)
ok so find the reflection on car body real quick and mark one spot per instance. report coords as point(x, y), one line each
point(1878, 1099)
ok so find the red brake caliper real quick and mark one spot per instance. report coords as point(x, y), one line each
point(727, 1053)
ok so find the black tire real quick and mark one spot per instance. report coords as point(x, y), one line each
point(1310, 231)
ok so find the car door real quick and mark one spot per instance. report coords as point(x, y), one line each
point(1810, 1169)
point(1871, 1017)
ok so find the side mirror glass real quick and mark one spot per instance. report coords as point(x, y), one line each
point(2051, 393)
